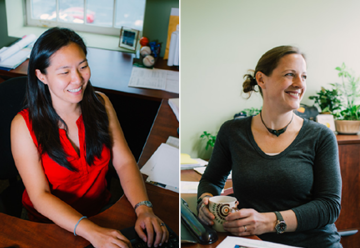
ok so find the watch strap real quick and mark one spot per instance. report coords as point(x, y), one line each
point(280, 226)
point(279, 216)
point(146, 203)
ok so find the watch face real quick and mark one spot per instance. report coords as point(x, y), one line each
point(281, 227)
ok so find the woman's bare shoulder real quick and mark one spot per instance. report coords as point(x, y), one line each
point(18, 122)
point(105, 100)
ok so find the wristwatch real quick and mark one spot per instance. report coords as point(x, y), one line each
point(280, 225)
point(146, 203)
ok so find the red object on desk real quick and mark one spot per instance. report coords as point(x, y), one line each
point(144, 41)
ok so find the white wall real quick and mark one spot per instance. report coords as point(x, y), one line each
point(221, 40)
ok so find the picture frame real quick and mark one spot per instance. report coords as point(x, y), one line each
point(327, 120)
point(129, 38)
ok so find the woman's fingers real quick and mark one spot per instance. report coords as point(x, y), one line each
point(239, 214)
point(110, 238)
point(159, 233)
point(121, 237)
point(205, 215)
point(139, 230)
point(240, 230)
point(165, 235)
point(247, 222)
point(156, 233)
point(121, 243)
point(149, 233)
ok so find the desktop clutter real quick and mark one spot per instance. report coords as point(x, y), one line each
point(149, 53)
point(162, 168)
point(12, 56)
point(173, 59)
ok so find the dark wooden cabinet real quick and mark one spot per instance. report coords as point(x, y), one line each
point(349, 219)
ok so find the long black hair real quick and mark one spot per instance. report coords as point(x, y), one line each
point(45, 120)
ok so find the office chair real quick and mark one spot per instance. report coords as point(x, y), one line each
point(12, 95)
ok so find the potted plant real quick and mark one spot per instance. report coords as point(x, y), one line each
point(327, 100)
point(210, 139)
point(348, 118)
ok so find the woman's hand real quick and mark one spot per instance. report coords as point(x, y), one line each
point(246, 222)
point(204, 213)
point(108, 238)
point(147, 220)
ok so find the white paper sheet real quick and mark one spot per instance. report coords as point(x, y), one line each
point(230, 242)
point(10, 51)
point(173, 141)
point(201, 171)
point(163, 166)
point(155, 79)
point(174, 48)
point(16, 59)
point(174, 103)
point(189, 187)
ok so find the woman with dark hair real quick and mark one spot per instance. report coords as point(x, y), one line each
point(285, 169)
point(62, 143)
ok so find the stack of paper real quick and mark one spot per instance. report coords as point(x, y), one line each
point(157, 79)
point(163, 168)
point(189, 163)
point(174, 48)
point(11, 57)
point(174, 104)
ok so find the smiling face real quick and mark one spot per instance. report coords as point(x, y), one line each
point(284, 88)
point(67, 75)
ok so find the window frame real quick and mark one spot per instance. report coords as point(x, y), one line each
point(89, 28)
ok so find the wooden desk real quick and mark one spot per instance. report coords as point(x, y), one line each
point(16, 232)
point(349, 219)
point(165, 125)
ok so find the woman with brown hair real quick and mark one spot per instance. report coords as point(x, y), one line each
point(285, 169)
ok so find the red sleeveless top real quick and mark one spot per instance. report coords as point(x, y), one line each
point(85, 189)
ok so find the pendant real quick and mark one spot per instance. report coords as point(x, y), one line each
point(276, 132)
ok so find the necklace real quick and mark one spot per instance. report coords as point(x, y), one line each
point(276, 132)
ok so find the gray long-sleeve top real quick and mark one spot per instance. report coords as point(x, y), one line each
point(305, 177)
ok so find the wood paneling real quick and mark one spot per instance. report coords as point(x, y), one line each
point(349, 219)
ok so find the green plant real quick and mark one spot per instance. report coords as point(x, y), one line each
point(327, 100)
point(352, 113)
point(210, 139)
point(251, 111)
point(350, 92)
